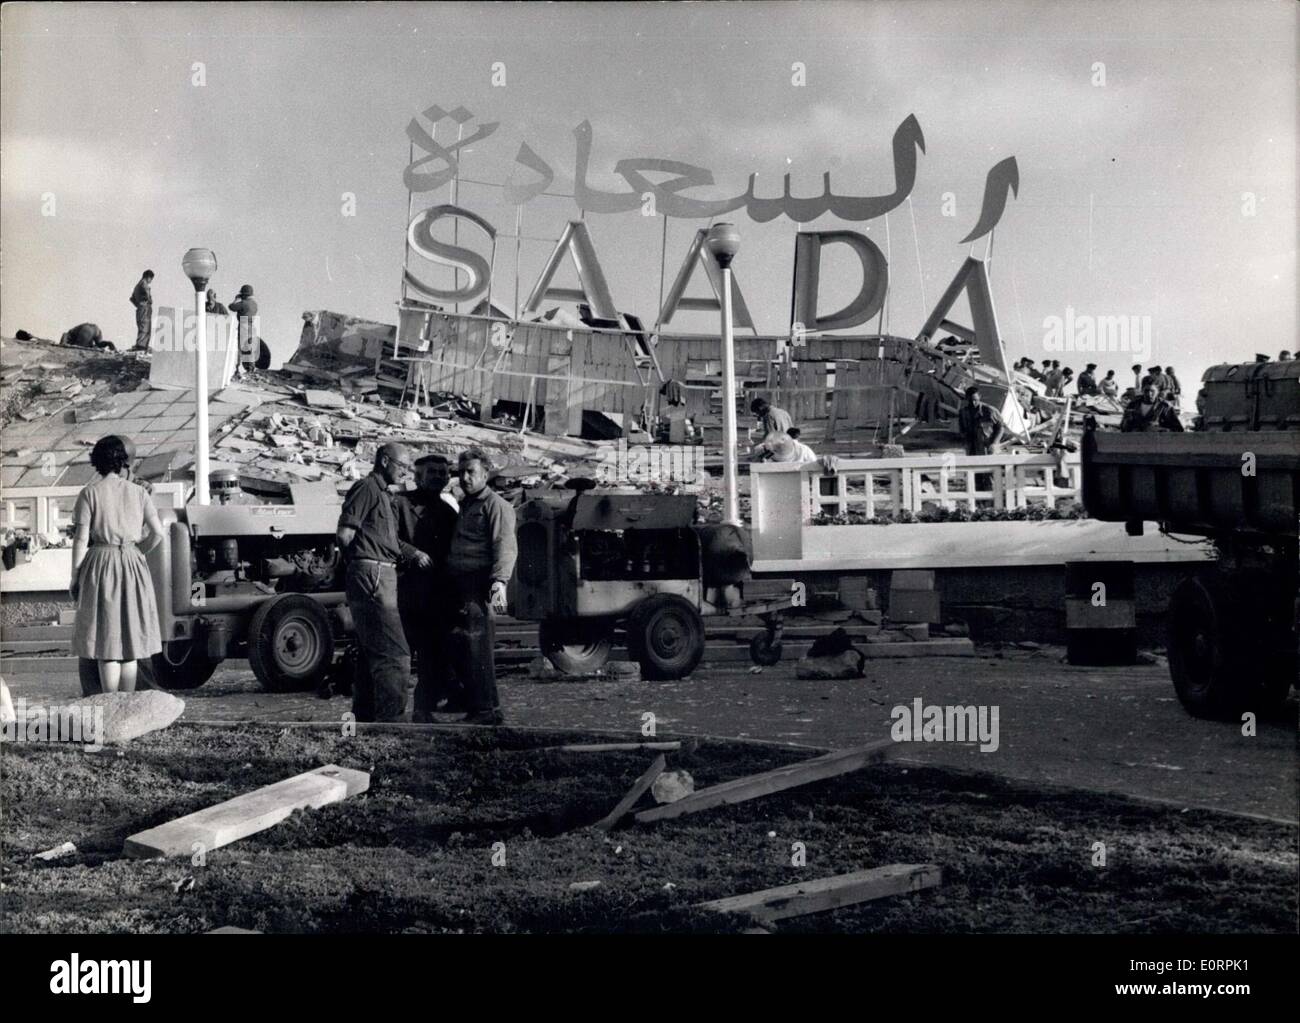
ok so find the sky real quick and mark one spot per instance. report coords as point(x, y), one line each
point(1156, 144)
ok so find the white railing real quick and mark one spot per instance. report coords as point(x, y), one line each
point(881, 487)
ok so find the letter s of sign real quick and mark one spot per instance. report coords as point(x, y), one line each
point(477, 269)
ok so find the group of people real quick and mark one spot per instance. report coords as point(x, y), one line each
point(424, 577)
point(253, 351)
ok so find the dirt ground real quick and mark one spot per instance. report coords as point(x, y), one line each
point(415, 854)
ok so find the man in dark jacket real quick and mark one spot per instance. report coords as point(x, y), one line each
point(367, 538)
point(980, 425)
point(142, 299)
point(425, 523)
point(1148, 411)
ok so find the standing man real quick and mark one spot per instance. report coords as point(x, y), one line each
point(1150, 412)
point(1173, 388)
point(425, 523)
point(479, 564)
point(213, 307)
point(142, 299)
point(244, 306)
point(980, 425)
point(1088, 380)
point(367, 536)
point(1055, 380)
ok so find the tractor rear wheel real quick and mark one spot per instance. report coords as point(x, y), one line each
point(290, 643)
point(576, 645)
point(665, 634)
point(181, 666)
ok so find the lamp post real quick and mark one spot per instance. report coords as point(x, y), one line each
point(199, 265)
point(724, 242)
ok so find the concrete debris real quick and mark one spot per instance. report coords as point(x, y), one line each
point(848, 664)
point(128, 716)
point(59, 852)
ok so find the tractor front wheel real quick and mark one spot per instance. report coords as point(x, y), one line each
point(290, 643)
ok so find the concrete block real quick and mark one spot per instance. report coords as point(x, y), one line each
point(917, 631)
point(914, 606)
point(911, 579)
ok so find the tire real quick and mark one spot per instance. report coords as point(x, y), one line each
point(290, 643)
point(665, 634)
point(576, 645)
point(764, 653)
point(181, 666)
point(1215, 645)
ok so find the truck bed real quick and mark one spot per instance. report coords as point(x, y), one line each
point(1195, 482)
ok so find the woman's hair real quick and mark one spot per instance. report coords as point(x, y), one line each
point(109, 455)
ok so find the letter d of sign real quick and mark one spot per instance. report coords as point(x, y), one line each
point(593, 290)
point(807, 276)
point(476, 268)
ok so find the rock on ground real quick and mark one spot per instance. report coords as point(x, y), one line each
point(127, 716)
point(671, 786)
point(844, 665)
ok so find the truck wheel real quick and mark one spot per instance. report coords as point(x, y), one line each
point(181, 666)
point(1208, 644)
point(665, 634)
point(575, 645)
point(290, 643)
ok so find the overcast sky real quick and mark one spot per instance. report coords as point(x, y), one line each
point(1168, 191)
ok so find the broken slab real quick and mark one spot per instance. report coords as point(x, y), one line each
point(248, 814)
point(793, 775)
point(829, 893)
point(670, 786)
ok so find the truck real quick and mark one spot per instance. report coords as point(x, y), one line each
point(1232, 627)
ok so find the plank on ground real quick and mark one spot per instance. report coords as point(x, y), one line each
point(752, 786)
point(638, 790)
point(829, 893)
point(248, 814)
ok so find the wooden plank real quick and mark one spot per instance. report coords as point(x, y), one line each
point(792, 776)
point(248, 814)
point(829, 893)
point(611, 819)
point(614, 747)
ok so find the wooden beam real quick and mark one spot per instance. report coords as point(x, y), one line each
point(248, 814)
point(792, 776)
point(638, 790)
point(829, 893)
point(612, 747)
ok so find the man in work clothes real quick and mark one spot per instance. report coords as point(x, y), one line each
point(367, 535)
point(142, 299)
point(425, 522)
point(980, 424)
point(244, 306)
point(479, 564)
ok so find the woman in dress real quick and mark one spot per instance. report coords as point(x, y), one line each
point(117, 613)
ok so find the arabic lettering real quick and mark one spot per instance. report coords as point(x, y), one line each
point(426, 181)
point(1003, 177)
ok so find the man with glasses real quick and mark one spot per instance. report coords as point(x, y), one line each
point(367, 536)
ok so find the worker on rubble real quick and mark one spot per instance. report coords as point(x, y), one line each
point(1088, 380)
point(253, 351)
point(142, 299)
point(367, 537)
point(803, 453)
point(1173, 388)
point(772, 422)
point(425, 523)
point(1284, 356)
point(479, 565)
point(86, 335)
point(980, 425)
point(1055, 380)
point(1109, 385)
point(213, 307)
point(1148, 411)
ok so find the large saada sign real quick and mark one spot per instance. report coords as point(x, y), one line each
point(438, 166)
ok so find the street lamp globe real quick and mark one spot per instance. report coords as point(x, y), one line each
point(199, 265)
point(723, 241)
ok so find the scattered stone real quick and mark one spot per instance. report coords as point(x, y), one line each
point(1028, 644)
point(59, 852)
point(917, 631)
point(671, 786)
point(583, 886)
point(541, 668)
point(624, 671)
point(957, 629)
point(128, 716)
